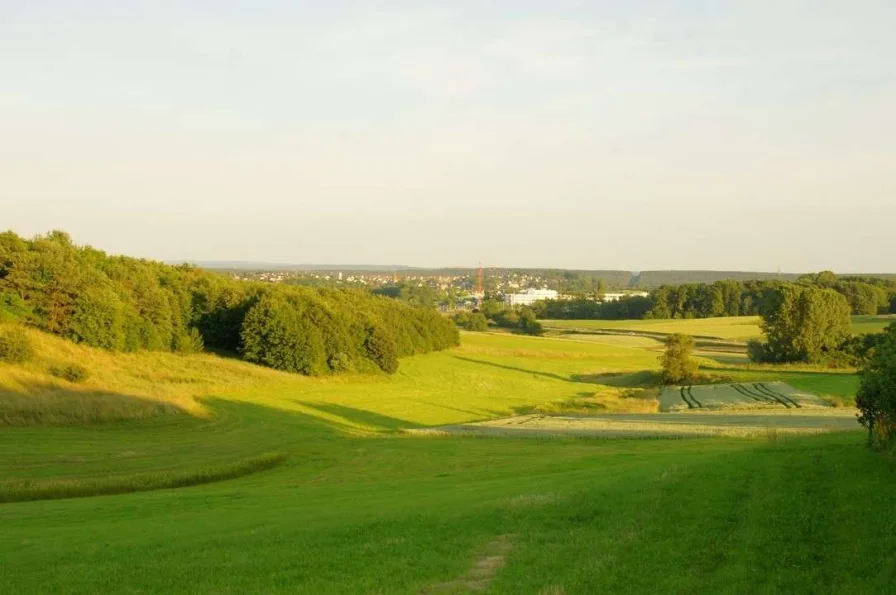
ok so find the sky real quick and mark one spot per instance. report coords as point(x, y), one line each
point(634, 135)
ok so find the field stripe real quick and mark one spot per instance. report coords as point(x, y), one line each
point(684, 398)
point(693, 398)
point(761, 387)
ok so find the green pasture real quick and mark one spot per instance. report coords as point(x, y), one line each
point(262, 482)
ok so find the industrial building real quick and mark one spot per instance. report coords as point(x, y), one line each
point(529, 297)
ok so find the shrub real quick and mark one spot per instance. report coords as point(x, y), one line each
point(15, 346)
point(71, 372)
point(478, 322)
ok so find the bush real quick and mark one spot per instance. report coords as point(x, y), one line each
point(478, 322)
point(71, 372)
point(15, 346)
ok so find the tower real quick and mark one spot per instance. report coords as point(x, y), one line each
point(480, 293)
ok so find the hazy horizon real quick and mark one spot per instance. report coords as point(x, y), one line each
point(736, 136)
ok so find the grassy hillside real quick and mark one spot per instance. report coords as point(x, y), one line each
point(326, 495)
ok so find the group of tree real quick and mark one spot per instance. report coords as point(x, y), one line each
point(522, 320)
point(864, 296)
point(625, 308)
point(127, 304)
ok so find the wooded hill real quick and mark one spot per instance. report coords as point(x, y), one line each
point(127, 304)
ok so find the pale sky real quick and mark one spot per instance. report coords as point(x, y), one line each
point(745, 135)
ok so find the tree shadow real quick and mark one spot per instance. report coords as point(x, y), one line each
point(359, 417)
point(550, 375)
point(641, 379)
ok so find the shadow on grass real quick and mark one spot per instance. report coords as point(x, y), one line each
point(642, 379)
point(550, 375)
point(359, 417)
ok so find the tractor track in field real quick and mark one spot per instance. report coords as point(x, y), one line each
point(768, 397)
point(684, 397)
point(764, 389)
point(759, 399)
point(693, 398)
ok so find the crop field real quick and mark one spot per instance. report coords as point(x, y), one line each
point(872, 324)
point(752, 395)
point(169, 473)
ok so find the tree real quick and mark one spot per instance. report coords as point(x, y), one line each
point(678, 365)
point(276, 335)
point(97, 319)
point(804, 323)
point(876, 398)
point(381, 348)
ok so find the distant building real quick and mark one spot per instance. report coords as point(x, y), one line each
point(529, 297)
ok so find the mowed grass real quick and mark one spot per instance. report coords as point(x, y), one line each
point(401, 514)
point(354, 505)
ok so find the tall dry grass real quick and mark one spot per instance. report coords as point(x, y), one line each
point(120, 386)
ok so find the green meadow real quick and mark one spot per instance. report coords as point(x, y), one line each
point(167, 473)
point(736, 328)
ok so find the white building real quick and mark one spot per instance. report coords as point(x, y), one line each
point(529, 297)
point(615, 297)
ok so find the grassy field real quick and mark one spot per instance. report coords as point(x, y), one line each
point(261, 482)
point(736, 328)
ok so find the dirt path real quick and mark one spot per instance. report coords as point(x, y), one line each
point(481, 574)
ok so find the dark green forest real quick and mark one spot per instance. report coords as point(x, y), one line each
point(127, 304)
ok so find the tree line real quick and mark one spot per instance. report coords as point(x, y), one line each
point(864, 296)
point(127, 304)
